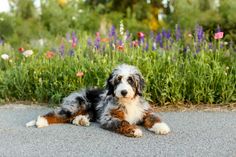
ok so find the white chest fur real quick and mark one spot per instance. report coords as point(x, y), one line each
point(134, 113)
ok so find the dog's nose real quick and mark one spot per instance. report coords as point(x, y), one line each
point(124, 92)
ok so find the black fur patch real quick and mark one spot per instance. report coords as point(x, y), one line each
point(65, 113)
point(110, 86)
point(93, 96)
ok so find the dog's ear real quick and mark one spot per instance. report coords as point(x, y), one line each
point(110, 85)
point(140, 84)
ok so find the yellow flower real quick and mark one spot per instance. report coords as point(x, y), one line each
point(62, 2)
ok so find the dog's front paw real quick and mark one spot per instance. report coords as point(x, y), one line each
point(129, 130)
point(137, 133)
point(31, 123)
point(41, 122)
point(81, 120)
point(160, 128)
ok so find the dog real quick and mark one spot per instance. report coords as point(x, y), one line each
point(120, 107)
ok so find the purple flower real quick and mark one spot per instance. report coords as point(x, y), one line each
point(185, 49)
point(68, 36)
point(97, 42)
point(1, 42)
point(164, 34)
point(200, 33)
point(89, 42)
point(112, 35)
point(159, 40)
point(152, 35)
point(146, 46)
point(218, 29)
point(177, 32)
point(141, 41)
point(168, 34)
point(62, 49)
point(210, 45)
point(154, 46)
point(74, 38)
point(198, 49)
point(120, 42)
point(71, 52)
point(113, 31)
point(127, 35)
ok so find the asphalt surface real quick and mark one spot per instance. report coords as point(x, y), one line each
point(194, 134)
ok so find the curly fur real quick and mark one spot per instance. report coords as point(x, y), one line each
point(119, 107)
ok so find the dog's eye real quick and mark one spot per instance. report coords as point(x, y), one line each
point(130, 80)
point(119, 78)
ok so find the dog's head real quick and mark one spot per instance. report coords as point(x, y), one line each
point(125, 82)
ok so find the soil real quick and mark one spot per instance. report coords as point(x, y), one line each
point(178, 107)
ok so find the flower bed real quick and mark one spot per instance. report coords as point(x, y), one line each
point(177, 66)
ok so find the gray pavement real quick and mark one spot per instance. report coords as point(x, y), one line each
point(198, 134)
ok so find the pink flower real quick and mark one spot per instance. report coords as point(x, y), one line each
point(21, 49)
point(97, 34)
point(141, 35)
point(219, 35)
point(50, 54)
point(73, 44)
point(79, 74)
point(135, 43)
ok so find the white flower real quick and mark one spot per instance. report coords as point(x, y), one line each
point(73, 18)
point(5, 56)
point(121, 27)
point(165, 3)
point(216, 4)
point(28, 53)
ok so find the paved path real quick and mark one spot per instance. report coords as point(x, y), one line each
point(198, 134)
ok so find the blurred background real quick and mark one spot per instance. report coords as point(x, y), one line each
point(22, 21)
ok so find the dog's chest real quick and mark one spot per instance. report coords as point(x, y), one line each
point(134, 113)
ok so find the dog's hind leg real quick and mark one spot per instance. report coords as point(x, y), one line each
point(73, 109)
point(61, 116)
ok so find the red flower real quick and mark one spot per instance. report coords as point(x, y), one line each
point(97, 34)
point(120, 47)
point(50, 54)
point(105, 40)
point(79, 74)
point(73, 44)
point(141, 35)
point(219, 35)
point(21, 49)
point(135, 43)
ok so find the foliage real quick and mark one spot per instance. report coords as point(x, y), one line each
point(177, 68)
point(207, 14)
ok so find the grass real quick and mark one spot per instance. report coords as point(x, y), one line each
point(206, 75)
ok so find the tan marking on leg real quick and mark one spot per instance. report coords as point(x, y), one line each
point(150, 119)
point(129, 130)
point(53, 118)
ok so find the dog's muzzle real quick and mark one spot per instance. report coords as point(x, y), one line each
point(124, 93)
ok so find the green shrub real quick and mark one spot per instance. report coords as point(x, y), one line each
point(171, 74)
